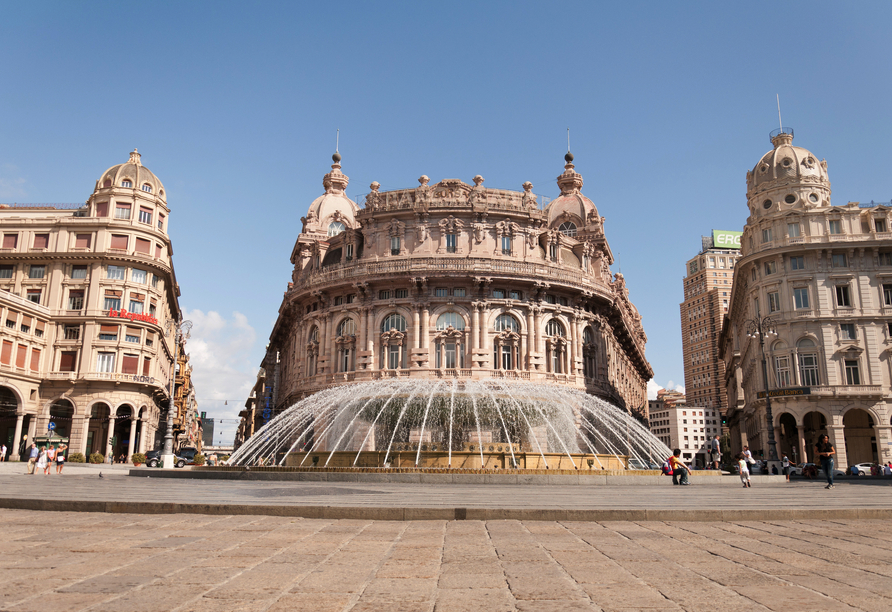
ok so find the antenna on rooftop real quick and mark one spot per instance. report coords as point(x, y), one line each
point(337, 140)
point(568, 140)
point(778, 113)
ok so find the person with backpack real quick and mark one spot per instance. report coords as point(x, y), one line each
point(679, 470)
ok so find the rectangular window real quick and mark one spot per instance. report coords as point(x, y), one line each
point(349, 252)
point(132, 335)
point(41, 241)
point(880, 225)
point(136, 305)
point(887, 295)
point(797, 263)
point(116, 272)
point(157, 251)
point(152, 309)
point(130, 364)
point(76, 299)
point(139, 276)
point(36, 271)
point(401, 293)
point(773, 302)
point(150, 338)
point(384, 294)
point(102, 209)
point(119, 241)
point(808, 367)
point(847, 331)
point(108, 332)
point(839, 260)
point(5, 271)
point(793, 230)
point(441, 292)
point(886, 258)
point(506, 245)
point(339, 300)
point(351, 297)
point(782, 371)
point(843, 299)
point(154, 280)
point(394, 245)
point(145, 214)
point(79, 272)
point(146, 366)
point(72, 332)
point(451, 243)
point(515, 295)
point(122, 211)
point(10, 241)
point(498, 294)
point(105, 362)
point(770, 267)
point(6, 354)
point(766, 235)
point(112, 303)
point(550, 299)
point(853, 376)
point(458, 292)
point(143, 246)
point(82, 241)
point(836, 226)
point(35, 360)
point(800, 298)
point(33, 295)
point(67, 360)
point(21, 355)
point(160, 221)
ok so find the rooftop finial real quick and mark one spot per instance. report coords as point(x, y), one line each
point(134, 157)
point(336, 158)
point(569, 156)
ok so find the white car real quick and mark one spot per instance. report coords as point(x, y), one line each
point(863, 468)
point(819, 473)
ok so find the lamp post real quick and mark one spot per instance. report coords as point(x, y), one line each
point(759, 328)
point(180, 331)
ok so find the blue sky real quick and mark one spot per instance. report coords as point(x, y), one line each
point(234, 105)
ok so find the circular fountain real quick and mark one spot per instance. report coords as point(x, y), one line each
point(456, 424)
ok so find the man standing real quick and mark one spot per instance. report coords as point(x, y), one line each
point(716, 451)
point(32, 458)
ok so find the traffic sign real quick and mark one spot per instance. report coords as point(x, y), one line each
point(51, 426)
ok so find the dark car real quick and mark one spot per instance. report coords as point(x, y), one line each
point(153, 458)
point(185, 456)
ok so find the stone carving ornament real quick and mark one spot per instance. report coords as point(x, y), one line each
point(373, 200)
point(529, 198)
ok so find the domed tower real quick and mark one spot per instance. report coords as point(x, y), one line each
point(787, 178)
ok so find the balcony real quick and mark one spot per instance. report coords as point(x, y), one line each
point(847, 390)
point(27, 305)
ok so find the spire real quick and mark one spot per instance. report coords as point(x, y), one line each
point(134, 158)
point(569, 181)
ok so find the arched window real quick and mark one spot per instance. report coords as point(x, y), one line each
point(451, 319)
point(314, 334)
point(506, 322)
point(346, 341)
point(568, 228)
point(589, 353)
point(783, 375)
point(347, 327)
point(808, 363)
point(126, 183)
point(335, 228)
point(554, 328)
point(312, 351)
point(588, 337)
point(147, 188)
point(393, 321)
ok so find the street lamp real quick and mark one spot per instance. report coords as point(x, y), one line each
point(759, 328)
point(180, 331)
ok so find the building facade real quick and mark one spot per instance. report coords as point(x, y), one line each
point(707, 291)
point(85, 293)
point(687, 428)
point(823, 275)
point(451, 280)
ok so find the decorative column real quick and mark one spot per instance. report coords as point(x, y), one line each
point(573, 335)
point(538, 321)
point(530, 339)
point(17, 439)
point(838, 440)
point(142, 436)
point(111, 434)
point(330, 345)
point(475, 326)
point(85, 429)
point(416, 326)
point(425, 325)
point(130, 450)
point(370, 338)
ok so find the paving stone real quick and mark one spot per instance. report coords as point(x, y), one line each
point(472, 581)
point(792, 598)
point(491, 600)
point(107, 584)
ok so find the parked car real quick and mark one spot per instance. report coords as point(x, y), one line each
point(153, 458)
point(863, 469)
point(185, 456)
point(638, 464)
point(805, 468)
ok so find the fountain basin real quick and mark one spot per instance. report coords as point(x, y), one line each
point(459, 460)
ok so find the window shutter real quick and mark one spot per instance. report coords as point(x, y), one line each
point(82, 241)
point(113, 293)
point(41, 241)
point(6, 354)
point(26, 321)
point(102, 209)
point(21, 356)
point(146, 366)
point(12, 315)
point(35, 359)
point(143, 246)
point(130, 364)
point(41, 325)
point(138, 297)
point(10, 241)
point(119, 242)
point(150, 336)
point(108, 329)
point(66, 363)
point(157, 251)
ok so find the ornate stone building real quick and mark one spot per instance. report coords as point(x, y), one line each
point(823, 274)
point(85, 292)
point(451, 280)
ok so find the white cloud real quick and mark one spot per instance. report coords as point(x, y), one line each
point(222, 355)
point(653, 387)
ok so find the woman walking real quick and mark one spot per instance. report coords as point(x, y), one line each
point(744, 469)
point(42, 462)
point(60, 458)
point(825, 451)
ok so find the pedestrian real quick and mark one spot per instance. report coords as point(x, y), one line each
point(744, 469)
point(43, 462)
point(748, 457)
point(2, 452)
point(716, 453)
point(785, 462)
point(32, 459)
point(60, 458)
point(679, 469)
point(887, 469)
point(824, 449)
point(50, 457)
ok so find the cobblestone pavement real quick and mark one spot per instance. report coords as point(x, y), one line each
point(189, 563)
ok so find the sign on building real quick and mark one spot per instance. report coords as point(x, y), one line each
point(724, 239)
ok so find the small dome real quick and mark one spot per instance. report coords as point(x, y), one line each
point(786, 164)
point(571, 205)
point(136, 173)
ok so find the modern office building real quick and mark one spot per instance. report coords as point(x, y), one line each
point(86, 292)
point(818, 278)
point(688, 428)
point(707, 291)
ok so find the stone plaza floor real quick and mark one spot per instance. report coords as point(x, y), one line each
point(75, 561)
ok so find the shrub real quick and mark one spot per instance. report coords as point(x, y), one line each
point(137, 458)
point(97, 458)
point(77, 458)
point(198, 459)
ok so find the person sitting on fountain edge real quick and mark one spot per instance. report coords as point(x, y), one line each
point(678, 468)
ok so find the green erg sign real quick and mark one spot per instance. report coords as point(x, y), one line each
point(722, 239)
